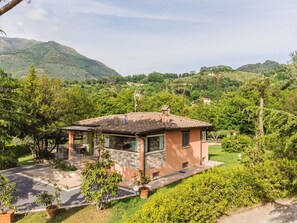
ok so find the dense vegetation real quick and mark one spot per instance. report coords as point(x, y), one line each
point(34, 107)
point(208, 196)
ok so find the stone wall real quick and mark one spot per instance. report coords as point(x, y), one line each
point(155, 159)
point(125, 158)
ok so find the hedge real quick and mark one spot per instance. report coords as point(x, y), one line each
point(208, 196)
point(18, 150)
point(236, 144)
point(10, 154)
point(7, 162)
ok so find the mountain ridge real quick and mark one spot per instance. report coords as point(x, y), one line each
point(52, 58)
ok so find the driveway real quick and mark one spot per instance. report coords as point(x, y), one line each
point(282, 211)
point(30, 185)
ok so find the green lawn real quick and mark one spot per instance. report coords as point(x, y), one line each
point(26, 160)
point(230, 159)
point(121, 208)
point(71, 215)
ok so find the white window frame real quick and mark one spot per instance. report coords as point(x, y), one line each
point(152, 136)
point(203, 135)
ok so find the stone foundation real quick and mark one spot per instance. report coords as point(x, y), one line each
point(125, 158)
point(155, 159)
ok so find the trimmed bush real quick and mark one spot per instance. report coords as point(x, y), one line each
point(7, 162)
point(64, 166)
point(208, 196)
point(236, 144)
point(16, 150)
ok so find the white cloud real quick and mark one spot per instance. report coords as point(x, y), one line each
point(36, 14)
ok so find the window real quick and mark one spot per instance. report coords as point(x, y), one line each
point(185, 165)
point(154, 143)
point(203, 135)
point(121, 143)
point(186, 139)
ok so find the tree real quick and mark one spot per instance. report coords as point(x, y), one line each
point(178, 103)
point(79, 106)
point(281, 128)
point(44, 102)
point(9, 114)
point(231, 116)
point(9, 5)
point(99, 182)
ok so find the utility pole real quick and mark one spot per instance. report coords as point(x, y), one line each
point(136, 99)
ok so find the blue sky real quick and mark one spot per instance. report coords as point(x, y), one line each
point(167, 36)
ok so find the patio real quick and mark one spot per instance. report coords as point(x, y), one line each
point(46, 173)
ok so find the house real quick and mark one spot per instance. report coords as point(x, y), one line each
point(206, 100)
point(158, 142)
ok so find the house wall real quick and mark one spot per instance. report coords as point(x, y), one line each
point(127, 163)
point(204, 151)
point(165, 162)
point(176, 155)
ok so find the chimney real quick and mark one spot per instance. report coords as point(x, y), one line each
point(165, 113)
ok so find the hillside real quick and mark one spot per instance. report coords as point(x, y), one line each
point(267, 67)
point(54, 59)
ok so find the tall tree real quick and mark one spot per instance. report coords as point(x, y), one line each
point(9, 114)
point(44, 102)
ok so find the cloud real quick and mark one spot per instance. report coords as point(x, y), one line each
point(104, 9)
point(36, 14)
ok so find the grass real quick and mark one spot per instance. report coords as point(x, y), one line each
point(71, 215)
point(26, 160)
point(230, 159)
point(118, 209)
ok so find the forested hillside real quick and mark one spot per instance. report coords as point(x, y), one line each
point(54, 59)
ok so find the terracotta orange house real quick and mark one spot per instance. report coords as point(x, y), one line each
point(158, 142)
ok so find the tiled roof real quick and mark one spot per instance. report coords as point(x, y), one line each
point(140, 123)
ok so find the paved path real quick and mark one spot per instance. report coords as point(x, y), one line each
point(28, 187)
point(282, 211)
point(33, 179)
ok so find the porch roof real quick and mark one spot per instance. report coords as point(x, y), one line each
point(137, 123)
point(77, 128)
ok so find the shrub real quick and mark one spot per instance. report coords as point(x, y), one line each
point(208, 196)
point(236, 144)
point(252, 156)
point(18, 150)
point(45, 154)
point(6, 197)
point(64, 165)
point(7, 162)
point(46, 199)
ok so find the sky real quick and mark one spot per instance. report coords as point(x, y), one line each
point(173, 36)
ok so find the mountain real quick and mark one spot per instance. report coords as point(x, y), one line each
point(54, 59)
point(266, 67)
